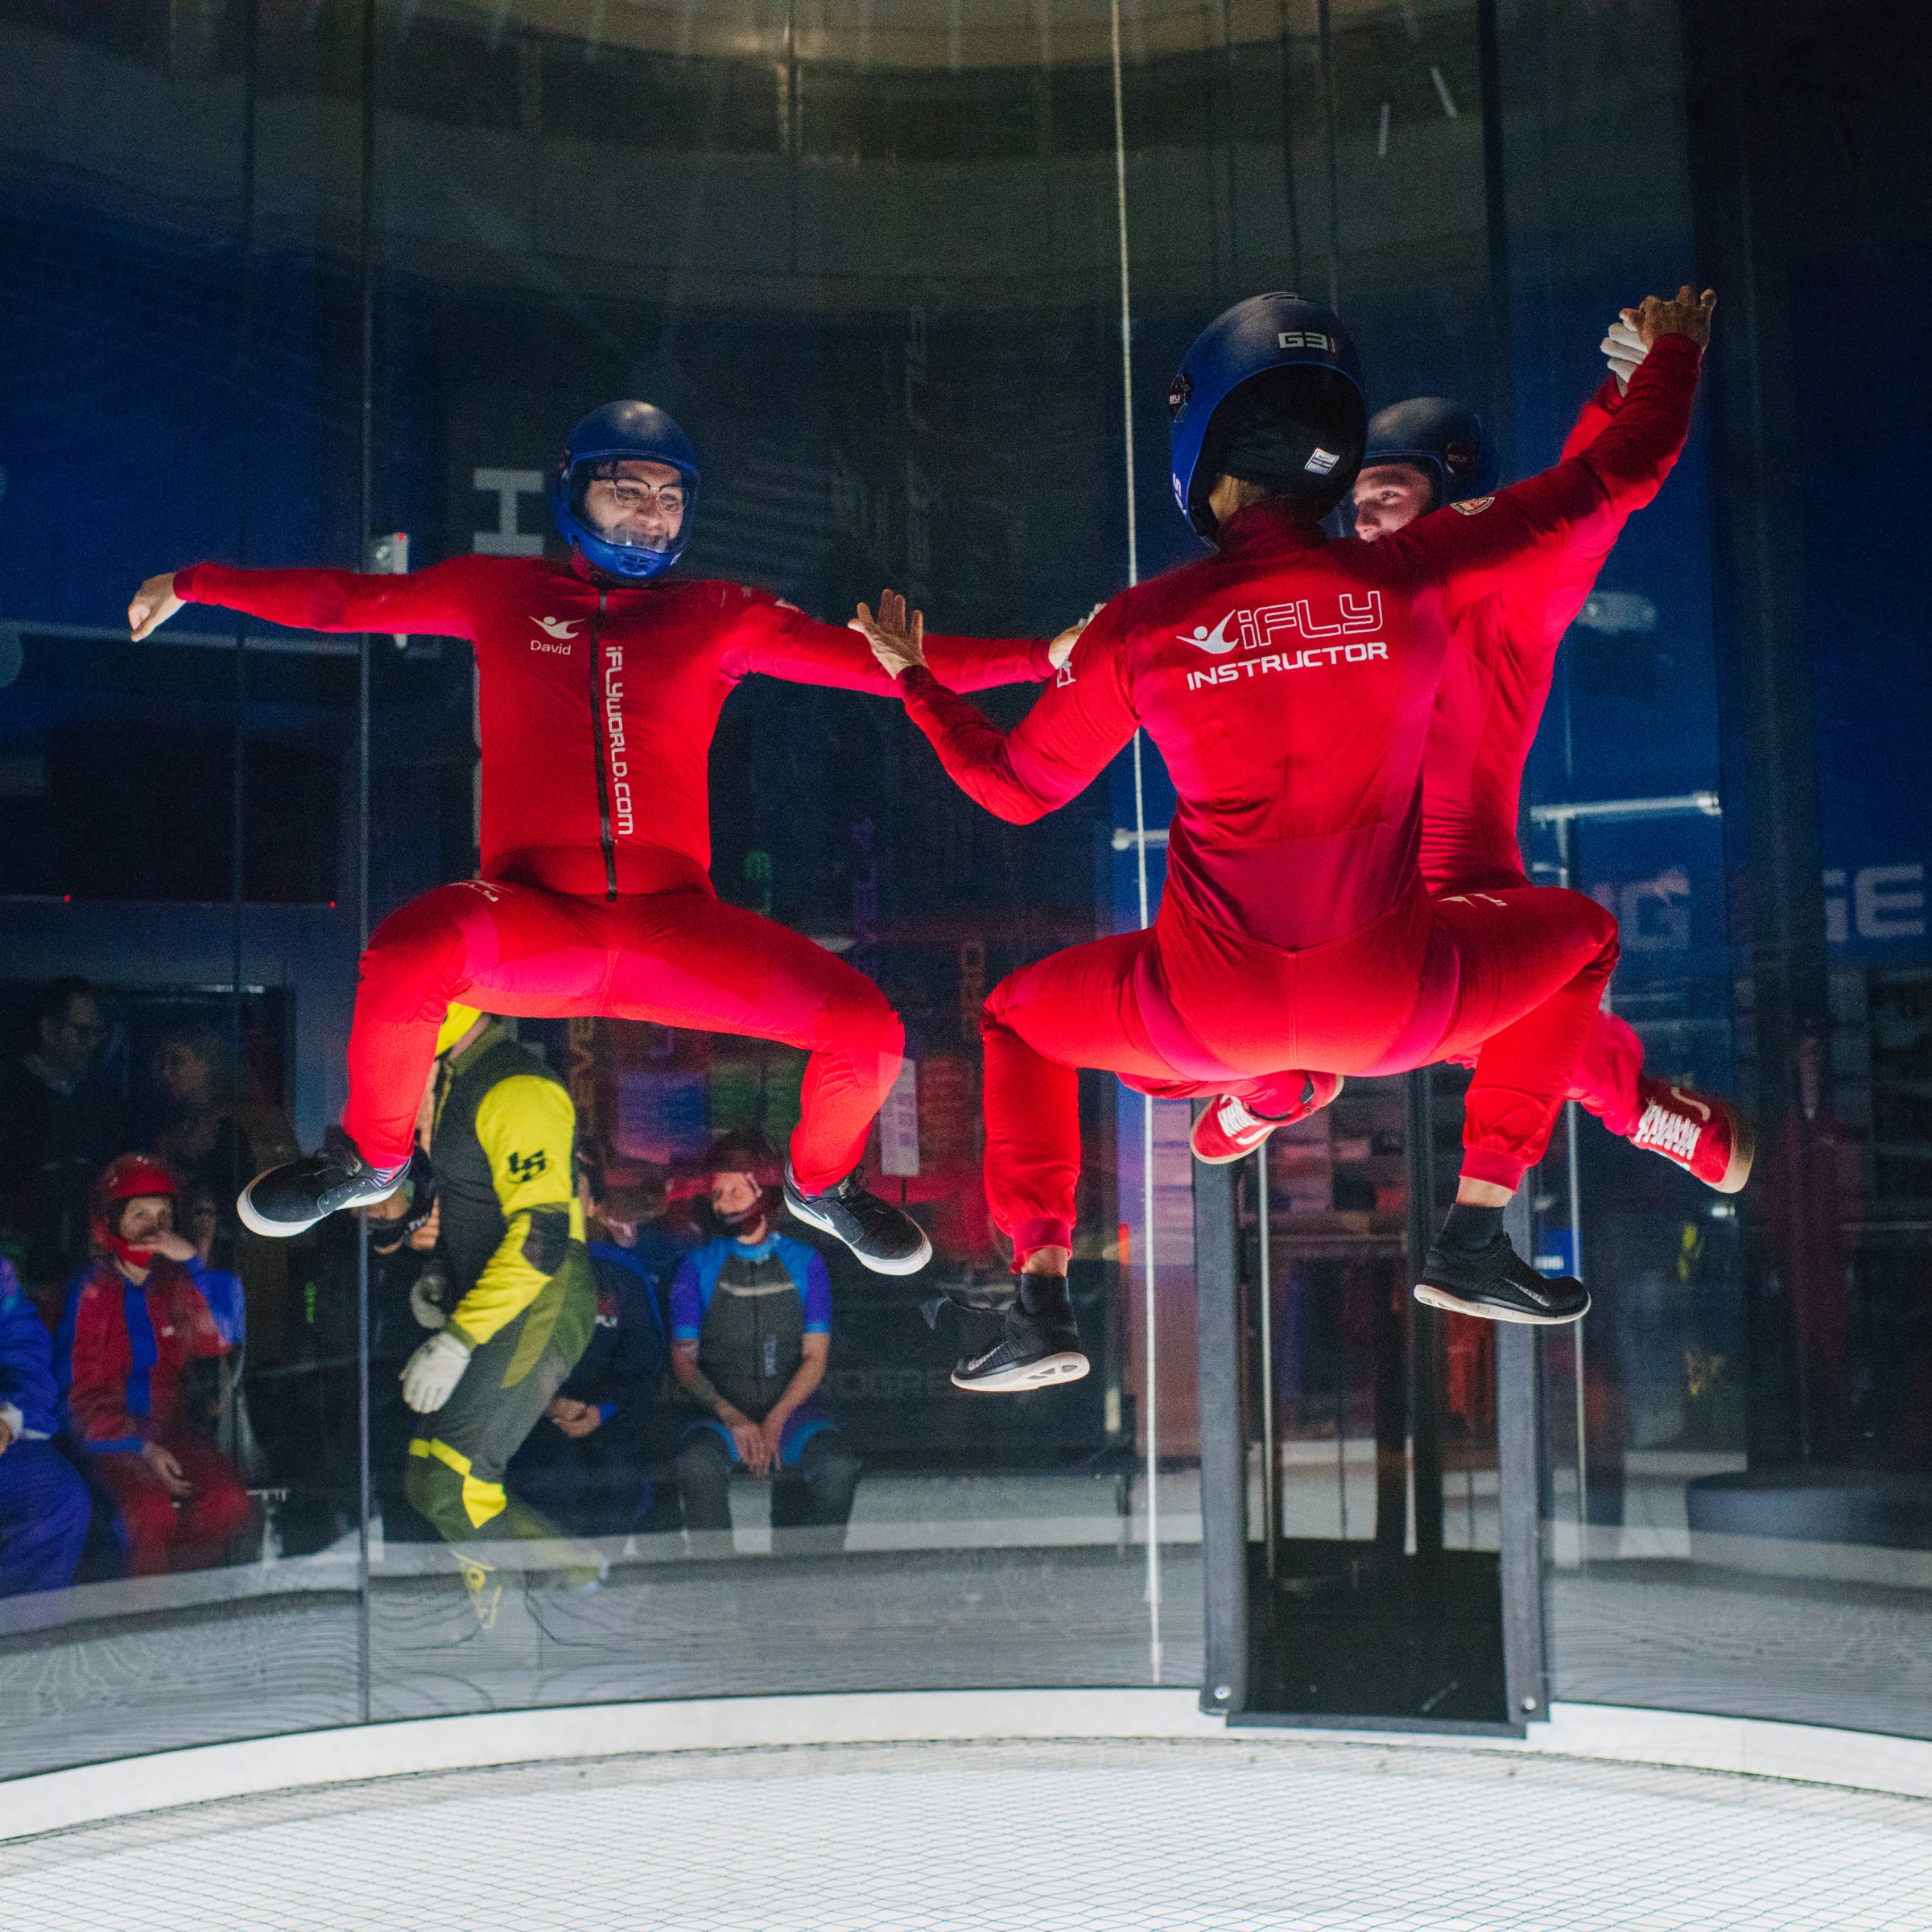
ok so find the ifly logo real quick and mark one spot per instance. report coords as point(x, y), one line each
point(559, 627)
point(1265, 628)
point(1257, 629)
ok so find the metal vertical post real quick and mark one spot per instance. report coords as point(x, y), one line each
point(1271, 1468)
point(1424, 1414)
point(1519, 1438)
point(1224, 1442)
point(1573, 1174)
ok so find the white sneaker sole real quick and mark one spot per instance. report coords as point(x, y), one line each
point(1227, 1160)
point(909, 1264)
point(1048, 1371)
point(273, 1231)
point(1487, 1311)
point(283, 1231)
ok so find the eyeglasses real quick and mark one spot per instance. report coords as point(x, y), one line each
point(635, 498)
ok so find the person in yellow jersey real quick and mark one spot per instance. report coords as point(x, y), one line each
point(521, 1302)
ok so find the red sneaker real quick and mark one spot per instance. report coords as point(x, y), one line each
point(1228, 1131)
point(1706, 1138)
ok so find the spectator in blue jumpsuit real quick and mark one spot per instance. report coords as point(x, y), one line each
point(751, 1334)
point(44, 1503)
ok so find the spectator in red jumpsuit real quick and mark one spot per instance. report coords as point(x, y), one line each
point(1289, 683)
point(1423, 454)
point(133, 1322)
point(600, 682)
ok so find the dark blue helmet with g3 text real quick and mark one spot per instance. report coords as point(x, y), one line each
point(1270, 392)
point(1443, 440)
point(619, 433)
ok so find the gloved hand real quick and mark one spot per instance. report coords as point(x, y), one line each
point(431, 1375)
point(429, 1295)
point(1624, 350)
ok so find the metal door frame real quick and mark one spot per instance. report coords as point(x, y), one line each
point(1221, 1294)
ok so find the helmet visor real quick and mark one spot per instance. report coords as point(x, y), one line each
point(630, 504)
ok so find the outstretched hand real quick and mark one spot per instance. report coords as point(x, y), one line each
point(1061, 649)
point(1624, 349)
point(898, 640)
point(1688, 314)
point(155, 603)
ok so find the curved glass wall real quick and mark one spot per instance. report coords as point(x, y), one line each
point(326, 283)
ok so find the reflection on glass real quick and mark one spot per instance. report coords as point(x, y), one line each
point(911, 280)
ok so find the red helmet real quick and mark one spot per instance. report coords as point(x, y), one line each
point(127, 1178)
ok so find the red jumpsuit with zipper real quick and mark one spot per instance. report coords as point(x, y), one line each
point(121, 1351)
point(598, 705)
point(1496, 682)
point(1289, 682)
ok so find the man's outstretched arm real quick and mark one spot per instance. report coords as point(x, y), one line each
point(781, 642)
point(1472, 546)
point(1541, 599)
point(435, 602)
point(1075, 728)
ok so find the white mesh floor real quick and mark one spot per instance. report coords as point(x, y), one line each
point(1093, 1836)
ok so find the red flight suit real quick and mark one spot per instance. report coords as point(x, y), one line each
point(598, 705)
point(1289, 682)
point(1495, 684)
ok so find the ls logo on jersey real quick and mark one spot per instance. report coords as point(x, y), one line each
point(560, 628)
point(1260, 627)
point(527, 1166)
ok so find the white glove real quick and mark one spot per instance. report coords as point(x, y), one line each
point(431, 1375)
point(1624, 349)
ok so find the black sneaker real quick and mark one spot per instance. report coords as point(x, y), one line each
point(290, 1199)
point(1497, 1284)
point(1039, 1344)
point(885, 1238)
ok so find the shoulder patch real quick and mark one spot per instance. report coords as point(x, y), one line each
point(1474, 507)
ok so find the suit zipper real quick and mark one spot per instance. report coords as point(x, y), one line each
point(603, 743)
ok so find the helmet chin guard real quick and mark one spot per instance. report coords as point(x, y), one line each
point(635, 432)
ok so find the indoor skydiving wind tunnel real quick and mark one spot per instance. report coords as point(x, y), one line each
point(614, 1392)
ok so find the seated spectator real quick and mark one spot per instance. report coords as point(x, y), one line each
point(586, 1461)
point(134, 1324)
point(43, 1505)
point(751, 1334)
point(218, 1136)
point(60, 1124)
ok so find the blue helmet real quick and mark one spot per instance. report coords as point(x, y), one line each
point(618, 432)
point(1443, 440)
point(1297, 419)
